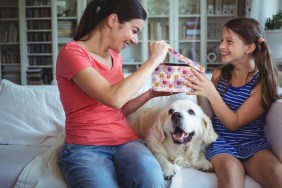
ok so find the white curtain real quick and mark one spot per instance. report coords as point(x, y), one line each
point(263, 9)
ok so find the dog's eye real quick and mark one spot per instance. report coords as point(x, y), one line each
point(191, 112)
point(170, 111)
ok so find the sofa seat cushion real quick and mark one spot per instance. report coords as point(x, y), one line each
point(14, 158)
point(192, 178)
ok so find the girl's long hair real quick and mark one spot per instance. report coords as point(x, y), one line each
point(250, 32)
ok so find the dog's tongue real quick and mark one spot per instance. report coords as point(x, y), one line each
point(180, 136)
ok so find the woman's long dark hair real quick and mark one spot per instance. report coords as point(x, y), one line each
point(250, 32)
point(98, 10)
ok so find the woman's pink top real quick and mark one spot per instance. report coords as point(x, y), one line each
point(88, 121)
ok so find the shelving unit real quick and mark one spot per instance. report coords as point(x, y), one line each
point(9, 41)
point(39, 37)
point(191, 27)
point(134, 55)
point(178, 22)
point(158, 27)
point(217, 16)
point(41, 27)
point(46, 25)
point(67, 20)
point(168, 20)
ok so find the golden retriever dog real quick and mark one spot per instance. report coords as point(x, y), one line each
point(177, 135)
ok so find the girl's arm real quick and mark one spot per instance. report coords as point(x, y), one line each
point(96, 86)
point(247, 112)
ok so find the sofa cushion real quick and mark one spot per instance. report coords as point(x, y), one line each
point(273, 128)
point(29, 116)
point(14, 158)
point(192, 178)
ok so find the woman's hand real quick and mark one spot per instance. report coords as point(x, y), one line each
point(158, 51)
point(160, 93)
point(201, 85)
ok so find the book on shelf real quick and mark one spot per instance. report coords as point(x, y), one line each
point(34, 70)
point(228, 7)
point(39, 48)
point(38, 24)
point(66, 28)
point(9, 69)
point(244, 8)
point(64, 32)
point(39, 36)
point(35, 82)
point(191, 29)
point(218, 7)
point(37, 2)
point(38, 13)
point(8, 12)
point(225, 7)
point(12, 76)
point(40, 60)
point(232, 7)
point(13, 35)
point(39, 76)
point(10, 35)
point(214, 30)
point(210, 5)
point(158, 30)
point(10, 56)
point(34, 76)
point(221, 7)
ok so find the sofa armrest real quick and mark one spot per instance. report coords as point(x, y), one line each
point(273, 128)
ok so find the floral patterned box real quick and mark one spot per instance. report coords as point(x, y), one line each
point(169, 77)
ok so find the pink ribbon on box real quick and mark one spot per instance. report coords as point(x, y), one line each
point(187, 61)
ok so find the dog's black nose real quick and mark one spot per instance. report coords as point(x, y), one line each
point(176, 116)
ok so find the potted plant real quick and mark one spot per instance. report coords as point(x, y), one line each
point(273, 35)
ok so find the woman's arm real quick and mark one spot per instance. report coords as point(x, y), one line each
point(134, 104)
point(247, 112)
point(96, 86)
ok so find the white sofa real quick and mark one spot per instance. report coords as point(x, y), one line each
point(32, 117)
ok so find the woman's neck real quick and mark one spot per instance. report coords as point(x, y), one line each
point(95, 44)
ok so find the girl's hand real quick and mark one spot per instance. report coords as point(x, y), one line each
point(158, 51)
point(201, 85)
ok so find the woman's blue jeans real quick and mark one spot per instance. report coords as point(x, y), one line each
point(128, 165)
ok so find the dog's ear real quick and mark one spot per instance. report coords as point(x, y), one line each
point(210, 135)
point(158, 127)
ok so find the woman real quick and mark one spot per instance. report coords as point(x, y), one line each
point(101, 149)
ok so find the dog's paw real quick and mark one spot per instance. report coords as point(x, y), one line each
point(169, 171)
point(204, 166)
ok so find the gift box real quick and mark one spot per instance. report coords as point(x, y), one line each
point(169, 77)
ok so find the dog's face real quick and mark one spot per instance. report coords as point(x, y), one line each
point(184, 120)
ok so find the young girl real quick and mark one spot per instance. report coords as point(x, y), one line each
point(240, 94)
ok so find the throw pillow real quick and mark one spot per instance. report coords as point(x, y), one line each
point(29, 116)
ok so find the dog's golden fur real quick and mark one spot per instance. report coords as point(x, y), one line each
point(177, 134)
